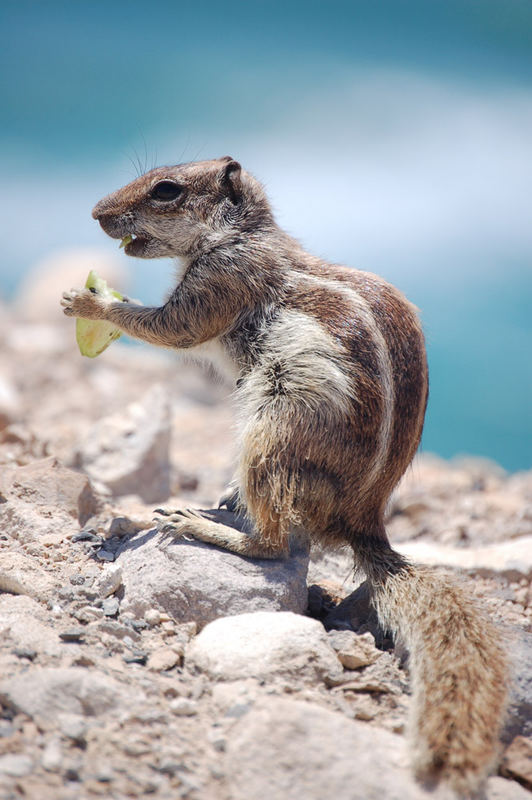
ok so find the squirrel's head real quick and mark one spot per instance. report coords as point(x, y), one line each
point(184, 210)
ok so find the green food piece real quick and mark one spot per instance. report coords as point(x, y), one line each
point(126, 240)
point(94, 336)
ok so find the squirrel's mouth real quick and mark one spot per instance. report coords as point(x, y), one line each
point(133, 245)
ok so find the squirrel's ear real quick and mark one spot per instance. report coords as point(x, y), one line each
point(230, 179)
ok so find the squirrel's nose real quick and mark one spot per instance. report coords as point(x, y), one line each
point(97, 210)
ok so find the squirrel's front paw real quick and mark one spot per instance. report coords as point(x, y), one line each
point(83, 303)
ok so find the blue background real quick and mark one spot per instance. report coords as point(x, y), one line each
point(392, 136)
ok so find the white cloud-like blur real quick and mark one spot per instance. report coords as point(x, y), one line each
point(401, 166)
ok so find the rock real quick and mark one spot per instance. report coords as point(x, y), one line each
point(183, 707)
point(44, 693)
point(354, 650)
point(196, 582)
point(517, 761)
point(110, 606)
point(128, 452)
point(162, 659)
point(41, 288)
point(73, 726)
point(52, 757)
point(15, 765)
point(72, 635)
point(25, 652)
point(109, 581)
point(105, 555)
point(114, 628)
point(287, 750)
point(87, 614)
point(152, 617)
point(519, 716)
point(24, 625)
point(136, 657)
point(500, 789)
point(263, 645)
point(512, 559)
point(48, 487)
point(381, 677)
point(19, 574)
point(124, 526)
point(88, 536)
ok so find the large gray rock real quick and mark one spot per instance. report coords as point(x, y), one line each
point(19, 574)
point(46, 487)
point(43, 693)
point(128, 452)
point(193, 581)
point(24, 623)
point(263, 645)
point(289, 750)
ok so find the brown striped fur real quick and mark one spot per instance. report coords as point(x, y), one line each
point(331, 394)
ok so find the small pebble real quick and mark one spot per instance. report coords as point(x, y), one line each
point(217, 773)
point(110, 606)
point(188, 629)
point(128, 640)
point(138, 747)
point(353, 650)
point(88, 536)
point(16, 765)
point(52, 757)
point(135, 657)
point(77, 580)
point(105, 555)
point(183, 707)
point(72, 774)
point(105, 774)
point(152, 616)
point(170, 766)
point(6, 728)
point(138, 624)
point(162, 659)
point(88, 614)
point(25, 652)
point(217, 739)
point(74, 727)
point(109, 581)
point(72, 635)
point(122, 526)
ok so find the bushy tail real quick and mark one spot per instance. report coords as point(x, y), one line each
point(457, 666)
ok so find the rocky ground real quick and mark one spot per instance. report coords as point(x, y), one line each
point(135, 666)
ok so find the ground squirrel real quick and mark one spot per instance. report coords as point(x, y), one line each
point(331, 389)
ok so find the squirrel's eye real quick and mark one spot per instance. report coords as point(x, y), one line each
point(166, 191)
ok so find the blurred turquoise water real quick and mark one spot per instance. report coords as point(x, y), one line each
point(392, 136)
